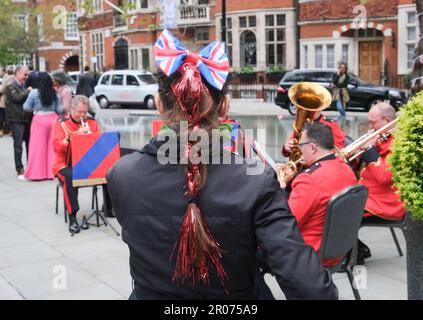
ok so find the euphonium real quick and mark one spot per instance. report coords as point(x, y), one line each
point(309, 98)
point(354, 149)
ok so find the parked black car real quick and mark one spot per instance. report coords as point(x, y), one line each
point(362, 94)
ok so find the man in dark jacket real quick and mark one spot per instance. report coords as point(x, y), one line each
point(32, 80)
point(20, 121)
point(86, 83)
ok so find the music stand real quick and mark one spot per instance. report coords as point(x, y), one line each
point(99, 214)
point(92, 156)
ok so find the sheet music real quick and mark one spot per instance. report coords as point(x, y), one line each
point(263, 155)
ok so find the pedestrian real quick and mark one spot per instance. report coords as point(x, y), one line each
point(32, 80)
point(7, 79)
point(45, 105)
point(340, 94)
point(64, 92)
point(86, 83)
point(20, 121)
point(200, 240)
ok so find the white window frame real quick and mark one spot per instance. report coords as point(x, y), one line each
point(97, 5)
point(321, 57)
point(403, 42)
point(333, 56)
point(97, 41)
point(275, 41)
point(71, 31)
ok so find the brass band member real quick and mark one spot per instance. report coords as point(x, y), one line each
point(383, 202)
point(338, 135)
point(324, 176)
point(62, 168)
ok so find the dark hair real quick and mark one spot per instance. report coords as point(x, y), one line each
point(86, 68)
point(320, 134)
point(45, 89)
point(186, 97)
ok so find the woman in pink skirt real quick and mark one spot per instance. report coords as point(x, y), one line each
point(45, 104)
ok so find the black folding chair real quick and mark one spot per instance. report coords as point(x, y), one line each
point(59, 185)
point(375, 221)
point(340, 233)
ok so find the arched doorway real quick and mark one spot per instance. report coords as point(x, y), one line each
point(248, 49)
point(121, 54)
point(71, 64)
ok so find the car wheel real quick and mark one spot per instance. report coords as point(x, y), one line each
point(150, 103)
point(103, 102)
point(292, 109)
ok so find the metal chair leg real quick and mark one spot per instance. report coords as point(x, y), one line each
point(92, 197)
point(396, 241)
point(57, 199)
point(351, 279)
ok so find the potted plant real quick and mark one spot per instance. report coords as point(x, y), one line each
point(275, 73)
point(247, 72)
point(407, 167)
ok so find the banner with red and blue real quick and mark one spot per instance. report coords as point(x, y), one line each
point(92, 156)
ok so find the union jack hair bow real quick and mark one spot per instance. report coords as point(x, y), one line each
point(212, 61)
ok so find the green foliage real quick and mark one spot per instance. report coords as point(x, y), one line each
point(247, 69)
point(407, 156)
point(275, 69)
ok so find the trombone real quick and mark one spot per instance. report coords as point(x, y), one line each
point(354, 150)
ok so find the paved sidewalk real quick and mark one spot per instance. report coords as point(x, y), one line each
point(36, 249)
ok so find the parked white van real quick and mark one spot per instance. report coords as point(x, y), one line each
point(133, 87)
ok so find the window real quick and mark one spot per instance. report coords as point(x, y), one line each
point(275, 39)
point(411, 37)
point(411, 33)
point(97, 49)
point(138, 4)
point(306, 57)
point(344, 53)
point(410, 55)
point(202, 34)
point(330, 56)
point(318, 55)
point(105, 79)
point(248, 49)
point(144, 4)
point(98, 5)
point(411, 17)
point(229, 39)
point(71, 29)
point(21, 20)
point(247, 22)
point(133, 59)
point(145, 59)
point(294, 77)
point(40, 24)
point(82, 53)
point(147, 78)
point(320, 77)
point(131, 81)
point(117, 80)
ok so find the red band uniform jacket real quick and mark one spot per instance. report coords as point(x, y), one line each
point(382, 201)
point(338, 135)
point(311, 192)
point(64, 128)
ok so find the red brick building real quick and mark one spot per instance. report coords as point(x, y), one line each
point(59, 43)
point(377, 39)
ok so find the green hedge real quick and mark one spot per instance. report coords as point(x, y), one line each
point(407, 156)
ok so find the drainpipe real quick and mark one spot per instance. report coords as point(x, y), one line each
point(297, 20)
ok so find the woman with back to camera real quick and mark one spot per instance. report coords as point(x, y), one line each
point(45, 104)
point(193, 228)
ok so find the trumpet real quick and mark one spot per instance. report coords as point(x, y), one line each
point(85, 125)
point(354, 150)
